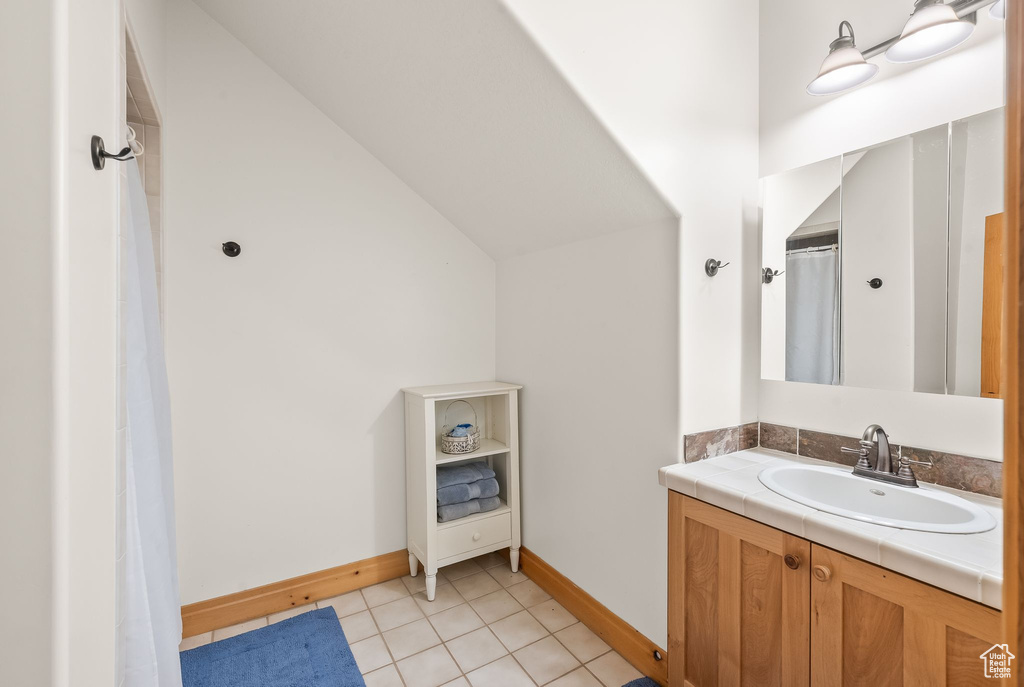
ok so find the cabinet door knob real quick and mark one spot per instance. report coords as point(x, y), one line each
point(792, 561)
point(476, 536)
point(822, 574)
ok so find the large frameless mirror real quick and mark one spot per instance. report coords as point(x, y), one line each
point(882, 266)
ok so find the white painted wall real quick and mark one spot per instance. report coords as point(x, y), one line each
point(27, 272)
point(930, 256)
point(591, 332)
point(693, 133)
point(58, 413)
point(878, 325)
point(954, 424)
point(148, 21)
point(457, 101)
point(286, 363)
point(797, 129)
point(676, 83)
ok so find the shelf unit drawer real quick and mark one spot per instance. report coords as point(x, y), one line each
point(461, 537)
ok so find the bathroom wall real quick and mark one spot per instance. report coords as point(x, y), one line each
point(797, 129)
point(286, 363)
point(148, 21)
point(877, 242)
point(691, 126)
point(590, 330)
point(27, 517)
point(692, 130)
point(931, 211)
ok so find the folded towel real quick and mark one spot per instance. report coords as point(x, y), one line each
point(462, 430)
point(447, 475)
point(460, 493)
point(461, 510)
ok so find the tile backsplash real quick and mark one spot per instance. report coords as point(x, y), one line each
point(719, 442)
point(950, 470)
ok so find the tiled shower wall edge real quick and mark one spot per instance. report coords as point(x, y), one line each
point(966, 473)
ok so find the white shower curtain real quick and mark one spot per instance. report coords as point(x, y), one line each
point(812, 353)
point(152, 603)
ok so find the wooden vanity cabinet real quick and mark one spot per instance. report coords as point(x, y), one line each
point(739, 602)
point(872, 627)
point(750, 605)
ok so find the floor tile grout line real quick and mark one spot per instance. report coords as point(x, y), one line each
point(507, 653)
point(380, 634)
point(562, 644)
point(452, 657)
point(599, 680)
point(582, 662)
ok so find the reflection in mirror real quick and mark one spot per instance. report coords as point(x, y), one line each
point(975, 255)
point(812, 296)
point(894, 230)
point(890, 264)
point(799, 323)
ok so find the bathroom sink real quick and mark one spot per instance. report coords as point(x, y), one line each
point(837, 491)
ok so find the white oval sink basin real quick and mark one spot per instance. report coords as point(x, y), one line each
point(838, 491)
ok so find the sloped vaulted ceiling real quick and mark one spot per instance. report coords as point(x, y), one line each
point(456, 99)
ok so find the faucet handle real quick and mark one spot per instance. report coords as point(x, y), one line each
point(864, 451)
point(907, 461)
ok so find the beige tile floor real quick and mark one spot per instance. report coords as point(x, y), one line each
point(487, 627)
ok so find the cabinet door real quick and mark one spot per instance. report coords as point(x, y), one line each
point(872, 627)
point(739, 600)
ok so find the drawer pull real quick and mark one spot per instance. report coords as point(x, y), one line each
point(476, 536)
point(792, 561)
point(822, 574)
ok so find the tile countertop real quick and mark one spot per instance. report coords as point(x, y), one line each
point(970, 565)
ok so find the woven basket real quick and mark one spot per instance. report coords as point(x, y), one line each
point(459, 445)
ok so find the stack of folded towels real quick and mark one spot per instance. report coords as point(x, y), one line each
point(464, 490)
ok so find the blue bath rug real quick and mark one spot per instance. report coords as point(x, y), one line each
point(642, 682)
point(309, 650)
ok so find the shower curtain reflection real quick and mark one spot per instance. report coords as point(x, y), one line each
point(812, 316)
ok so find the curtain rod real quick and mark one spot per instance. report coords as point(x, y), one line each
point(815, 249)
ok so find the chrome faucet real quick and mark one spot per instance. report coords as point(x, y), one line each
point(885, 468)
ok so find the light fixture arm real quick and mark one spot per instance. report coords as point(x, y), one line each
point(849, 41)
point(965, 9)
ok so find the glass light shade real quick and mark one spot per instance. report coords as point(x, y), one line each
point(930, 31)
point(842, 70)
point(998, 10)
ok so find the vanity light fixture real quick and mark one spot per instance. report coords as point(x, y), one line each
point(844, 68)
point(933, 28)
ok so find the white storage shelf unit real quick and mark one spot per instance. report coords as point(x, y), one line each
point(435, 544)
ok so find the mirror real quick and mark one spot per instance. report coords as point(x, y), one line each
point(882, 267)
point(792, 203)
point(976, 230)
